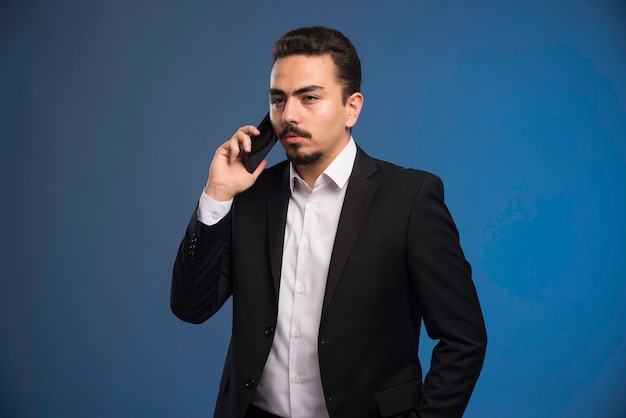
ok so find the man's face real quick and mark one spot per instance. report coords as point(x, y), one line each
point(307, 109)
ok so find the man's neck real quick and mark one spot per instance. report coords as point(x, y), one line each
point(310, 172)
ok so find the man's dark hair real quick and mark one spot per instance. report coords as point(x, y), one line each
point(319, 40)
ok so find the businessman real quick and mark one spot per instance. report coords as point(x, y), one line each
point(333, 260)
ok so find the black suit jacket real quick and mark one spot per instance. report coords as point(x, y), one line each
point(396, 261)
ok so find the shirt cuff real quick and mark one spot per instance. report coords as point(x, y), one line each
point(210, 211)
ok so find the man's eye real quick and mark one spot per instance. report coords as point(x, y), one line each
point(309, 98)
point(277, 101)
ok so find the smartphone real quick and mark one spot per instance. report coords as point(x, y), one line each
point(261, 144)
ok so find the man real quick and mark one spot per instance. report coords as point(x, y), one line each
point(332, 258)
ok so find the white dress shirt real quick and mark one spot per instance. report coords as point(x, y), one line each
point(290, 385)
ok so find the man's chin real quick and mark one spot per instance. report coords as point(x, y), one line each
point(300, 158)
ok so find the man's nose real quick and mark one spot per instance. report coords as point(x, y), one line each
point(291, 114)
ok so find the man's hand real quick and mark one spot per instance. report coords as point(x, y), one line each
point(228, 175)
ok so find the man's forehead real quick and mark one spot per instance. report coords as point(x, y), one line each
point(296, 72)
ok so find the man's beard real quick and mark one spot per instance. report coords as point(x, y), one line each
point(296, 157)
point(293, 150)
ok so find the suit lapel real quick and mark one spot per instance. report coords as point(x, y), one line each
point(276, 220)
point(356, 203)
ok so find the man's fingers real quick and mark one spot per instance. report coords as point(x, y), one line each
point(242, 140)
point(234, 148)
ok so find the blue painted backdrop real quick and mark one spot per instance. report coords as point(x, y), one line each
point(110, 112)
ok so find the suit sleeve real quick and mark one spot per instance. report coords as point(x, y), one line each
point(450, 306)
point(201, 277)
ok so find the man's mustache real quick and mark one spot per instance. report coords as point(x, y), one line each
point(290, 128)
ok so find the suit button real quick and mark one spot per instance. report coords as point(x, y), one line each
point(250, 383)
point(269, 331)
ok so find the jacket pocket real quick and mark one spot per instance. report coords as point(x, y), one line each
point(398, 399)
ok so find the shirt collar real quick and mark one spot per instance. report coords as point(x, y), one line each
point(338, 170)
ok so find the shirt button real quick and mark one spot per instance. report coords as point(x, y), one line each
point(305, 246)
point(296, 334)
point(297, 379)
point(301, 290)
point(214, 216)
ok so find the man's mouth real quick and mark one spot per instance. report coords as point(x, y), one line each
point(293, 138)
point(293, 135)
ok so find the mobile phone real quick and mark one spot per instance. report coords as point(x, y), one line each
point(261, 144)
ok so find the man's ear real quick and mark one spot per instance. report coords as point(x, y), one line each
point(354, 105)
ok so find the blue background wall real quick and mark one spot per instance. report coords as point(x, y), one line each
point(109, 116)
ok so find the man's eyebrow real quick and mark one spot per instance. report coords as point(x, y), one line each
point(307, 89)
point(303, 90)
